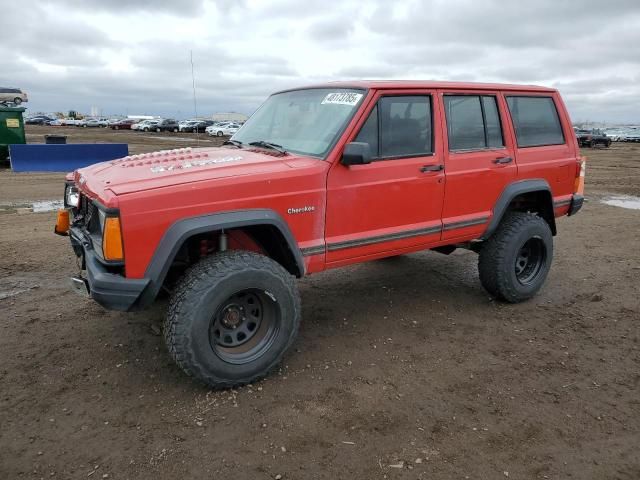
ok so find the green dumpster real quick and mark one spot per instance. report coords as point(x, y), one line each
point(11, 129)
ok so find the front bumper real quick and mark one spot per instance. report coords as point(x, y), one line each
point(111, 290)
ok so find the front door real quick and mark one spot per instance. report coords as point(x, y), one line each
point(394, 203)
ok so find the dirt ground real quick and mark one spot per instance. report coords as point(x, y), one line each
point(404, 368)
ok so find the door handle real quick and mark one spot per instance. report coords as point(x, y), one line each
point(503, 160)
point(432, 168)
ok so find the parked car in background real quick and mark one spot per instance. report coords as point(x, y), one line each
point(69, 122)
point(198, 126)
point(183, 123)
point(104, 122)
point(228, 129)
point(185, 126)
point(632, 135)
point(12, 95)
point(124, 124)
point(148, 126)
point(616, 135)
point(140, 125)
point(592, 138)
point(167, 125)
point(39, 120)
point(212, 128)
point(88, 122)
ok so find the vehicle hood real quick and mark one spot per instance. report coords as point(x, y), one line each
point(146, 171)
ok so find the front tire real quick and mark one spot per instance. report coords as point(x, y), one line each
point(231, 318)
point(17, 100)
point(514, 263)
point(220, 133)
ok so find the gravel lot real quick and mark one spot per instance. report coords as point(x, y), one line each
point(404, 367)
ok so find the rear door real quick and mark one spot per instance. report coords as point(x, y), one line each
point(479, 158)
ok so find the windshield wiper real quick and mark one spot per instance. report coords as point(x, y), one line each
point(272, 146)
point(233, 142)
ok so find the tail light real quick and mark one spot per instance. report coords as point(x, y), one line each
point(112, 248)
point(578, 186)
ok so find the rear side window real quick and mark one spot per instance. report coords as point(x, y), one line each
point(473, 122)
point(399, 127)
point(536, 121)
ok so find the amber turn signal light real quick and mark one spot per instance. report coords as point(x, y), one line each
point(112, 239)
point(62, 222)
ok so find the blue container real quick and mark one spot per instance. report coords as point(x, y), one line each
point(63, 158)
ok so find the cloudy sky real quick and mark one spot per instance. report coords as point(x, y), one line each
point(133, 56)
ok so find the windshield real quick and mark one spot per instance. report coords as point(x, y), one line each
point(302, 121)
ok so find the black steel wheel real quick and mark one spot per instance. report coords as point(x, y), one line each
point(530, 260)
point(232, 317)
point(514, 263)
point(244, 326)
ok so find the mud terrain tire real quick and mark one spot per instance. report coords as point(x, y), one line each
point(514, 263)
point(231, 318)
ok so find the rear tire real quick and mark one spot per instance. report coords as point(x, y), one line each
point(514, 263)
point(220, 133)
point(116, 127)
point(231, 318)
point(592, 144)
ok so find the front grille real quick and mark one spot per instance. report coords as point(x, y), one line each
point(86, 215)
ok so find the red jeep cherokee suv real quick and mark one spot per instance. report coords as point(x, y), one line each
point(318, 178)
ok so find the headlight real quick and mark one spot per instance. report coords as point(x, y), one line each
point(71, 196)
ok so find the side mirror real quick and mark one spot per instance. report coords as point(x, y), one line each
point(356, 153)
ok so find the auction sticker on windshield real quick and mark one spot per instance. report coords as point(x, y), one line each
point(342, 98)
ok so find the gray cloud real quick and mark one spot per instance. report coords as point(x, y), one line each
point(173, 7)
point(125, 56)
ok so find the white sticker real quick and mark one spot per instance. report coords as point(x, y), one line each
point(342, 98)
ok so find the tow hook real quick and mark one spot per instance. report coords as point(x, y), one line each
point(80, 285)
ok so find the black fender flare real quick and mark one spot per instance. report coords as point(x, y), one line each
point(180, 231)
point(510, 192)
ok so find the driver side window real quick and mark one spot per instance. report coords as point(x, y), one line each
point(398, 127)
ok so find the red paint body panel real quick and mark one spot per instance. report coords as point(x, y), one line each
point(358, 211)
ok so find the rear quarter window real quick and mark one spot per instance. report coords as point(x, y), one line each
point(536, 121)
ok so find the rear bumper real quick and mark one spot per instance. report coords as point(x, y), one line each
point(576, 204)
point(111, 290)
